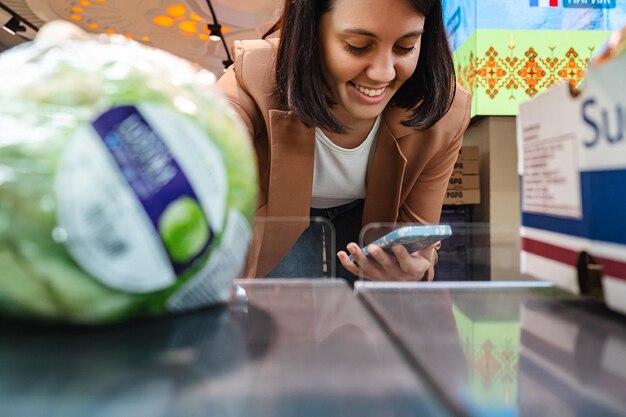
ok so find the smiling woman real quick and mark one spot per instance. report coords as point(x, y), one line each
point(367, 60)
point(355, 117)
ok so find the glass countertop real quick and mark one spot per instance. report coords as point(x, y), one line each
point(297, 348)
point(507, 349)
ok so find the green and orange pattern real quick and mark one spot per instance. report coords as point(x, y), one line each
point(503, 68)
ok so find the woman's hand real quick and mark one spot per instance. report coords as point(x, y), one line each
point(382, 266)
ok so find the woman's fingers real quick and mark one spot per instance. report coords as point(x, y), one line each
point(407, 262)
point(380, 265)
point(367, 267)
point(361, 264)
point(386, 260)
point(414, 265)
point(349, 265)
point(358, 258)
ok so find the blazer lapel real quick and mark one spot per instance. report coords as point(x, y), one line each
point(384, 179)
point(292, 152)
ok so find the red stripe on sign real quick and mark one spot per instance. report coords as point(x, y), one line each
point(546, 250)
point(613, 268)
point(554, 3)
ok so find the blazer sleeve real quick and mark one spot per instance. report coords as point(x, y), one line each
point(425, 200)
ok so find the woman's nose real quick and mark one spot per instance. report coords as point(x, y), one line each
point(382, 68)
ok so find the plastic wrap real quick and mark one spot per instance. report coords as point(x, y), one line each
point(127, 184)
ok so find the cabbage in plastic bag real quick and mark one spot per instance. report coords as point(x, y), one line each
point(127, 184)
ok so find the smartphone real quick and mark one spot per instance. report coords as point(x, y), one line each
point(413, 238)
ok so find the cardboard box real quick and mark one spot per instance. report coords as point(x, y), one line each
point(572, 161)
point(462, 197)
point(468, 152)
point(462, 181)
point(469, 166)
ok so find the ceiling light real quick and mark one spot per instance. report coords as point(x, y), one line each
point(10, 22)
point(216, 31)
point(14, 25)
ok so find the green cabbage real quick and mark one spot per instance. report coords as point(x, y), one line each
point(52, 89)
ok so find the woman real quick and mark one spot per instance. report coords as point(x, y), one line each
point(355, 117)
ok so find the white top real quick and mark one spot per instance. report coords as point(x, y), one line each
point(339, 173)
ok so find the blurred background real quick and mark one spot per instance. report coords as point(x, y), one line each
point(179, 26)
point(505, 54)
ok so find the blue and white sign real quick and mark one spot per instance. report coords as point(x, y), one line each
point(463, 17)
point(589, 4)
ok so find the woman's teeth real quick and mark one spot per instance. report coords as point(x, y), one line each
point(368, 92)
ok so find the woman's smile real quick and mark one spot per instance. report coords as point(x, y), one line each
point(367, 96)
point(370, 92)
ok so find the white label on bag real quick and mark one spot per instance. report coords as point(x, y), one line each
point(116, 182)
point(212, 284)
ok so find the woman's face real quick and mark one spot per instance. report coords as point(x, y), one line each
point(369, 49)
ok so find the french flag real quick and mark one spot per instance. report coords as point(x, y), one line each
point(544, 3)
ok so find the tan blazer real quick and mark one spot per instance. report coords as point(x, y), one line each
point(406, 180)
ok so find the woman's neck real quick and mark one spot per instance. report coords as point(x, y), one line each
point(355, 135)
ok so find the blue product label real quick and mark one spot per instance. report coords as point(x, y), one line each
point(159, 183)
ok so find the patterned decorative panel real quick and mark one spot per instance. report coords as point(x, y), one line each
point(502, 68)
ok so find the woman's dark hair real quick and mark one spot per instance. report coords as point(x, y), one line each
point(299, 73)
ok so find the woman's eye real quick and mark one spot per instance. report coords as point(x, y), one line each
point(356, 50)
point(404, 51)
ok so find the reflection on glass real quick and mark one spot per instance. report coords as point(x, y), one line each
point(573, 360)
point(143, 367)
point(465, 336)
point(491, 346)
point(312, 255)
point(422, 318)
point(329, 356)
point(473, 251)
